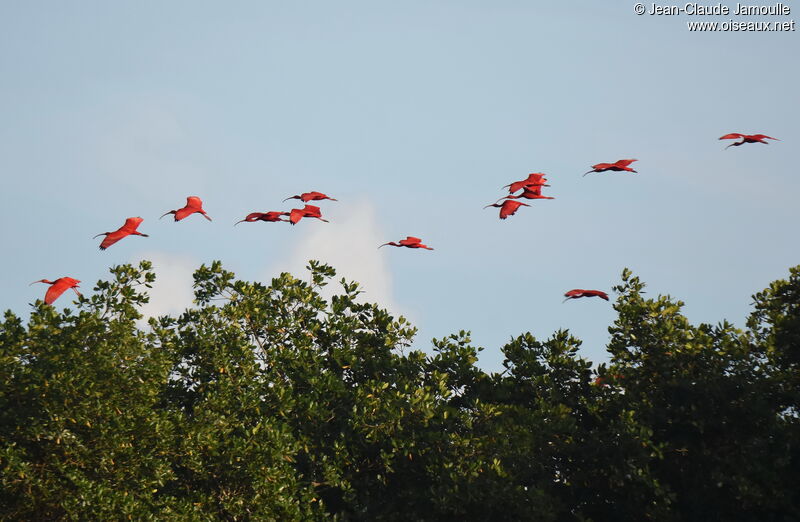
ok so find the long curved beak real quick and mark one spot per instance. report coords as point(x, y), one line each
point(208, 218)
point(239, 222)
point(37, 281)
point(101, 234)
point(287, 199)
point(589, 172)
point(170, 212)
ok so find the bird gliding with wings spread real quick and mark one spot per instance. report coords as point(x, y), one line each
point(747, 138)
point(617, 166)
point(58, 287)
point(408, 242)
point(129, 228)
point(578, 293)
point(270, 216)
point(193, 204)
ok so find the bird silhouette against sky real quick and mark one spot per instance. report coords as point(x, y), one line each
point(528, 192)
point(193, 204)
point(747, 138)
point(617, 166)
point(58, 287)
point(535, 179)
point(508, 207)
point(305, 197)
point(270, 216)
point(311, 211)
point(578, 293)
point(408, 242)
point(129, 228)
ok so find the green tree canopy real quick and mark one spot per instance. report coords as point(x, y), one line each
point(268, 402)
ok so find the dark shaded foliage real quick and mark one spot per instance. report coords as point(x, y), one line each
point(267, 402)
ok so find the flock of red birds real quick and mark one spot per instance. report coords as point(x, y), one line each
point(531, 188)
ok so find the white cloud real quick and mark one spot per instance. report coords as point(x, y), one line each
point(172, 292)
point(349, 243)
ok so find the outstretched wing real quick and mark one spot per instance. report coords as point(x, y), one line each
point(312, 211)
point(194, 202)
point(112, 238)
point(624, 162)
point(296, 215)
point(55, 290)
point(130, 225)
point(732, 136)
point(596, 293)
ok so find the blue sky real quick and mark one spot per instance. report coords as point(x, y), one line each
point(413, 115)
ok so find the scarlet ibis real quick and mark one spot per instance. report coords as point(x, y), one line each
point(508, 207)
point(305, 197)
point(533, 180)
point(125, 230)
point(617, 166)
point(58, 287)
point(193, 204)
point(408, 242)
point(308, 211)
point(264, 216)
point(578, 293)
point(534, 192)
point(747, 138)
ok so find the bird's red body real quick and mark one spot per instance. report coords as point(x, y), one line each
point(535, 179)
point(305, 197)
point(193, 204)
point(264, 216)
point(408, 242)
point(747, 138)
point(529, 192)
point(308, 211)
point(129, 228)
point(578, 293)
point(58, 287)
point(508, 207)
point(617, 166)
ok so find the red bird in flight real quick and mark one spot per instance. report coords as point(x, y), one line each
point(535, 179)
point(308, 211)
point(193, 204)
point(617, 166)
point(529, 192)
point(508, 207)
point(58, 287)
point(264, 216)
point(129, 228)
point(578, 293)
point(408, 242)
point(747, 138)
point(305, 197)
